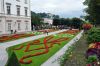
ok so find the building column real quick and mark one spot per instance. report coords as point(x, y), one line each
point(2, 6)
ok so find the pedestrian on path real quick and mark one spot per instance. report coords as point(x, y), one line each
point(46, 31)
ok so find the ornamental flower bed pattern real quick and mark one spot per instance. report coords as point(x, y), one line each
point(49, 30)
point(45, 45)
point(13, 37)
point(47, 40)
point(18, 36)
point(70, 32)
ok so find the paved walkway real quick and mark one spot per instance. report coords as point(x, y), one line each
point(3, 46)
point(78, 54)
point(53, 61)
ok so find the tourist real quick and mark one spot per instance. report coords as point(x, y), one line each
point(11, 31)
point(46, 31)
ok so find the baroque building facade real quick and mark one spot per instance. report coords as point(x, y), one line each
point(15, 15)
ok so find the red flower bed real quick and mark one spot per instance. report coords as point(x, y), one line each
point(4, 38)
point(48, 43)
point(49, 30)
point(27, 48)
point(15, 36)
point(70, 32)
point(87, 26)
point(19, 48)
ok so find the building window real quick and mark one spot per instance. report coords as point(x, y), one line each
point(18, 10)
point(26, 11)
point(26, 28)
point(19, 26)
point(25, 1)
point(9, 26)
point(0, 26)
point(8, 8)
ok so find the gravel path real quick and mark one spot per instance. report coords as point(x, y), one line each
point(78, 55)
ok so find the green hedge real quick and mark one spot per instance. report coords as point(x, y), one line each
point(93, 35)
point(13, 61)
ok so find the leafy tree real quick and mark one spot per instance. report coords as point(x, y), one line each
point(56, 22)
point(46, 15)
point(68, 22)
point(37, 18)
point(56, 16)
point(93, 11)
point(93, 35)
point(76, 22)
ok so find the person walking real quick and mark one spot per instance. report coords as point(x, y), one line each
point(46, 31)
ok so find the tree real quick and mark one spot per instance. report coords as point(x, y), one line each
point(36, 20)
point(56, 22)
point(76, 22)
point(56, 16)
point(93, 11)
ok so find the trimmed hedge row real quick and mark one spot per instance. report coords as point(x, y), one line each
point(93, 35)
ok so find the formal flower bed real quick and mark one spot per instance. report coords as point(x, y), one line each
point(14, 37)
point(38, 51)
point(18, 36)
point(49, 30)
point(70, 32)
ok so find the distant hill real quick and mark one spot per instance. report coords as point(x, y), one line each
point(44, 15)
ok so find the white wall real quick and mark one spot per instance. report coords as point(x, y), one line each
point(14, 24)
point(0, 6)
point(4, 17)
point(47, 20)
point(21, 3)
point(2, 25)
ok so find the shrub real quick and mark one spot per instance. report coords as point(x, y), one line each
point(92, 59)
point(93, 35)
point(13, 61)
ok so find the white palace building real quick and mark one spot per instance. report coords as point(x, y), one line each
point(15, 15)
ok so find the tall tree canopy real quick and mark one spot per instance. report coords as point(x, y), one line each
point(93, 11)
point(74, 22)
point(36, 18)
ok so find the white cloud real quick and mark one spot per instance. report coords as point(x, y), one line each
point(61, 7)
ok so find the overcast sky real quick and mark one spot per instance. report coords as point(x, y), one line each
point(64, 8)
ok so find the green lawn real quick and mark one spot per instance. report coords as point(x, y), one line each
point(38, 60)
